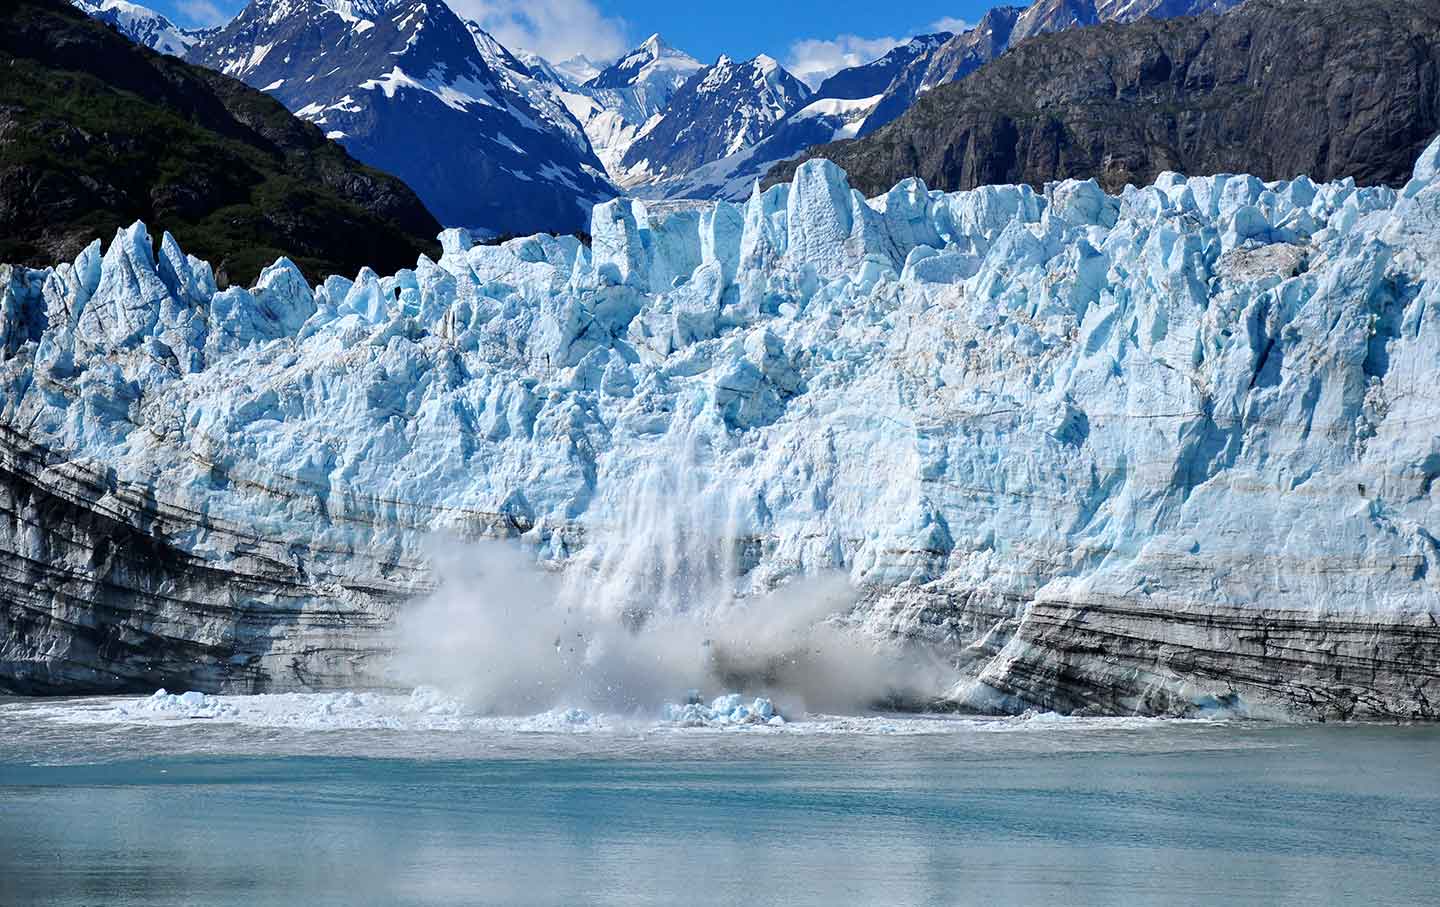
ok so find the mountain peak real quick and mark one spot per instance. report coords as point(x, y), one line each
point(653, 60)
point(725, 108)
point(140, 24)
point(410, 87)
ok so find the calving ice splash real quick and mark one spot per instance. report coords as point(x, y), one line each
point(1001, 449)
point(424, 709)
point(430, 712)
point(656, 606)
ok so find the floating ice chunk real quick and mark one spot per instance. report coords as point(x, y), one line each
point(723, 711)
point(726, 704)
point(167, 705)
point(576, 716)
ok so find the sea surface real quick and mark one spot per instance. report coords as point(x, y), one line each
point(329, 800)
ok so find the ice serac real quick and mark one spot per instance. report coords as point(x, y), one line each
point(1162, 452)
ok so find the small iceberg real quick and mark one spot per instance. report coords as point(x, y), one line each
point(724, 711)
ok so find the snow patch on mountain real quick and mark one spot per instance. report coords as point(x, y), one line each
point(616, 103)
point(838, 110)
point(412, 89)
point(142, 25)
point(719, 111)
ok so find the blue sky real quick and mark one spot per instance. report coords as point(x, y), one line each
point(809, 35)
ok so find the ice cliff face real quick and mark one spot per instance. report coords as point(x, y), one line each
point(1150, 453)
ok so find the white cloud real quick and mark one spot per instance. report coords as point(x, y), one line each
point(554, 29)
point(950, 24)
point(201, 13)
point(813, 60)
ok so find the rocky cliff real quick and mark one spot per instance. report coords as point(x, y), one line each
point(1166, 451)
point(1273, 88)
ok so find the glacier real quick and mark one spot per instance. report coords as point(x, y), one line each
point(1153, 453)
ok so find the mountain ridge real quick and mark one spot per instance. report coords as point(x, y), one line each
point(413, 89)
point(1245, 91)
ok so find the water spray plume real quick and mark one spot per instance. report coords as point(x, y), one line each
point(655, 605)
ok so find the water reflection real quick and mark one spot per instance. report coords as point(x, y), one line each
point(1304, 815)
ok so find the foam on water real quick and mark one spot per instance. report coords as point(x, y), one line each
point(426, 709)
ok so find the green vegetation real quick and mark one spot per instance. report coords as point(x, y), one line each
point(96, 133)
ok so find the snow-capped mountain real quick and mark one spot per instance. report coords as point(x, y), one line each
point(870, 79)
point(580, 68)
point(535, 86)
point(409, 87)
point(542, 70)
point(142, 25)
point(721, 110)
point(616, 103)
point(859, 100)
point(836, 111)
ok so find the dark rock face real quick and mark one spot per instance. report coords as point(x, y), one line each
point(409, 87)
point(96, 133)
point(1121, 657)
point(1275, 88)
point(1004, 26)
point(95, 597)
point(1128, 656)
point(952, 61)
